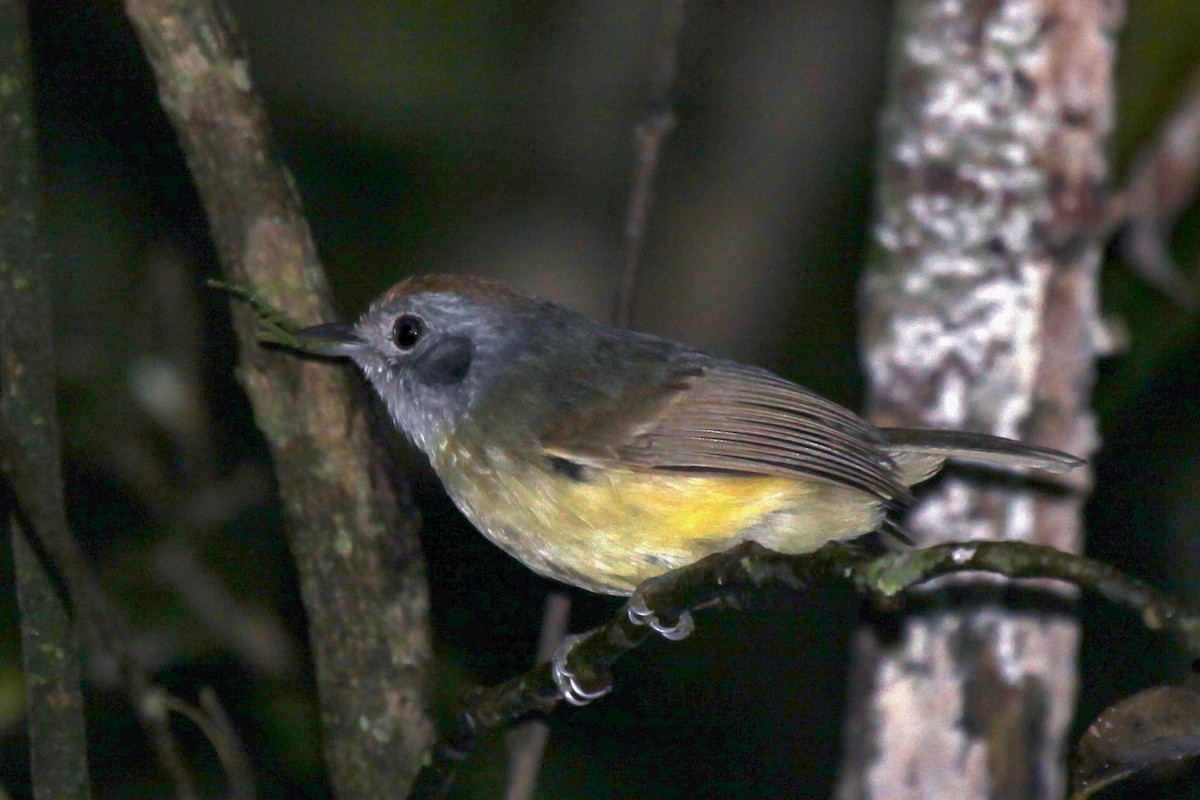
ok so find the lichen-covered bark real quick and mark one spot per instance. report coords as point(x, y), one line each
point(980, 308)
point(50, 652)
point(361, 572)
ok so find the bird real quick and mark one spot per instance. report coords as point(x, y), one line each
point(603, 457)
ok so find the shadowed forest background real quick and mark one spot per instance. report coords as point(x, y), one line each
point(495, 138)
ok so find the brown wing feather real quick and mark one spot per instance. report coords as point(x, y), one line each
point(730, 418)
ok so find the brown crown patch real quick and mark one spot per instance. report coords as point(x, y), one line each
point(467, 286)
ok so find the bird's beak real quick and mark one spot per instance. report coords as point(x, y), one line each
point(336, 339)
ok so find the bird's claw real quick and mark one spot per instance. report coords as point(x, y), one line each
point(640, 614)
point(568, 685)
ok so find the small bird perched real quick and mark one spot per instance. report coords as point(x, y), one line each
point(602, 457)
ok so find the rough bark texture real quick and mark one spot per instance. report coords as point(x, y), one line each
point(980, 309)
point(50, 659)
point(360, 566)
point(50, 652)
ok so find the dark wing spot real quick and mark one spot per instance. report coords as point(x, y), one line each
point(568, 469)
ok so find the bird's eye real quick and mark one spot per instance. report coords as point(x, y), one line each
point(407, 331)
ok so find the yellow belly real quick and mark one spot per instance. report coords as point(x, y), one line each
point(617, 527)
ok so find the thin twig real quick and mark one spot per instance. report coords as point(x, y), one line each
point(252, 633)
point(234, 761)
point(214, 723)
point(648, 139)
point(527, 741)
point(1161, 183)
point(895, 573)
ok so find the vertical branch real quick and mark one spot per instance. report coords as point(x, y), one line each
point(356, 549)
point(979, 310)
point(50, 651)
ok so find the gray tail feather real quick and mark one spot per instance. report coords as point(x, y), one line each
point(920, 453)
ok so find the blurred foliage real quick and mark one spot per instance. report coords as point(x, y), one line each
point(495, 138)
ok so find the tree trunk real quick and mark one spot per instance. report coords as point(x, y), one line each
point(980, 306)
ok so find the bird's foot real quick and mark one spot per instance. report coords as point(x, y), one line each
point(568, 685)
point(640, 614)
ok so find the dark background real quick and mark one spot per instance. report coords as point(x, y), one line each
point(495, 138)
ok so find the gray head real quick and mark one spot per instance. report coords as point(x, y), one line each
point(432, 345)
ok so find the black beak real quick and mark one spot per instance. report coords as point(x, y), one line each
point(331, 339)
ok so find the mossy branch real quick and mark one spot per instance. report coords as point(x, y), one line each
point(749, 569)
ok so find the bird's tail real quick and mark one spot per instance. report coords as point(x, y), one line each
point(920, 453)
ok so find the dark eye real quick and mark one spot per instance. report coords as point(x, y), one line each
point(407, 331)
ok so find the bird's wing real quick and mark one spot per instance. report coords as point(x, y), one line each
point(724, 417)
